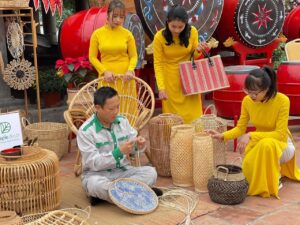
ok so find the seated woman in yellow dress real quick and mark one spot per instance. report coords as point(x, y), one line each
point(269, 151)
point(172, 45)
point(118, 55)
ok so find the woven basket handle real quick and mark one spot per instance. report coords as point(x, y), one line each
point(212, 108)
point(226, 169)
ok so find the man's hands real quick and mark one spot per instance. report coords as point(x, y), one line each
point(127, 146)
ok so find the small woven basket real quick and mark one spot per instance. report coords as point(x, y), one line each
point(202, 160)
point(160, 132)
point(211, 121)
point(13, 3)
point(228, 185)
point(181, 155)
point(51, 136)
point(10, 218)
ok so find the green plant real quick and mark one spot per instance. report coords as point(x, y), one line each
point(49, 82)
point(278, 55)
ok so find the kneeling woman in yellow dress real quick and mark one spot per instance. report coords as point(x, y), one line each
point(269, 151)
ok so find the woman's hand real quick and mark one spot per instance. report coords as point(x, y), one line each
point(128, 75)
point(215, 134)
point(162, 95)
point(109, 76)
point(244, 140)
point(202, 46)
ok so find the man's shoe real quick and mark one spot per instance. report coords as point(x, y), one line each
point(157, 191)
point(95, 201)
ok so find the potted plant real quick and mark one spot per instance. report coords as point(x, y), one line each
point(51, 86)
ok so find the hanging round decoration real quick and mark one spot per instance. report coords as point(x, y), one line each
point(133, 196)
point(19, 75)
point(15, 39)
point(133, 23)
point(258, 23)
point(204, 15)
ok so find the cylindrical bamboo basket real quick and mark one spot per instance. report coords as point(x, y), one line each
point(211, 121)
point(202, 160)
point(51, 136)
point(30, 183)
point(181, 155)
point(10, 218)
point(159, 133)
point(14, 3)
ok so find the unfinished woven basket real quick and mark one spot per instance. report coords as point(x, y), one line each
point(181, 155)
point(30, 183)
point(211, 121)
point(159, 133)
point(10, 218)
point(203, 164)
point(13, 3)
point(52, 136)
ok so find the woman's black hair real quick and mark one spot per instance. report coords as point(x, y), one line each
point(115, 4)
point(102, 94)
point(262, 79)
point(177, 12)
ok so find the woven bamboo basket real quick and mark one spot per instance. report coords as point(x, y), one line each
point(10, 218)
point(211, 121)
point(71, 216)
point(13, 3)
point(52, 136)
point(30, 183)
point(203, 164)
point(181, 155)
point(159, 133)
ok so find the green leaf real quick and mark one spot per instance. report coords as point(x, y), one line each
point(68, 77)
point(71, 67)
point(82, 72)
point(5, 127)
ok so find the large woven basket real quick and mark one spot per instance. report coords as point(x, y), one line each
point(30, 183)
point(10, 218)
point(13, 3)
point(52, 136)
point(202, 160)
point(211, 121)
point(228, 185)
point(159, 133)
point(181, 155)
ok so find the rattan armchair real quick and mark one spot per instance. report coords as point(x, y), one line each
point(292, 50)
point(136, 103)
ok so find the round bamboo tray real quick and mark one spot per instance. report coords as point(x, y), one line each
point(30, 183)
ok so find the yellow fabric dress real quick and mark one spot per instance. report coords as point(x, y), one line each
point(166, 66)
point(117, 52)
point(261, 165)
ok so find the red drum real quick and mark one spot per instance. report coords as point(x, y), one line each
point(289, 83)
point(228, 101)
point(254, 23)
point(291, 27)
point(76, 31)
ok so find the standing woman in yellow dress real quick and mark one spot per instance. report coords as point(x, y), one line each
point(113, 52)
point(269, 151)
point(172, 45)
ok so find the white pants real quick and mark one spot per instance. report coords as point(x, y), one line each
point(96, 184)
point(288, 153)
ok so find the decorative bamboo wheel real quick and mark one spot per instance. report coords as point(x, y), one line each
point(15, 40)
point(19, 75)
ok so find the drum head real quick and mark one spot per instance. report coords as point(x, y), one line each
point(133, 196)
point(133, 23)
point(204, 15)
point(258, 23)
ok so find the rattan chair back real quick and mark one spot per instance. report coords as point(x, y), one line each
point(136, 103)
point(292, 50)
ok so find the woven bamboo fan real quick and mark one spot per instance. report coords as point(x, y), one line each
point(70, 216)
point(30, 183)
point(181, 155)
point(19, 75)
point(159, 133)
point(10, 218)
point(13, 3)
point(15, 39)
point(211, 121)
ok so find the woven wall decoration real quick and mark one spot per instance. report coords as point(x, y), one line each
point(15, 39)
point(1, 64)
point(19, 75)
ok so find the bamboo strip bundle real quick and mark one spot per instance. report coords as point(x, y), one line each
point(14, 3)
